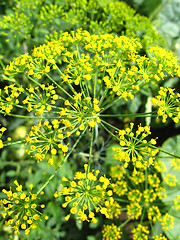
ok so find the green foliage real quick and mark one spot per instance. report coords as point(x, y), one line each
point(171, 167)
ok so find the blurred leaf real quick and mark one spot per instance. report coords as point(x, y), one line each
point(56, 211)
point(149, 7)
point(157, 228)
point(174, 233)
point(172, 145)
point(11, 173)
point(170, 28)
point(79, 224)
point(91, 238)
point(134, 105)
point(110, 152)
point(94, 225)
point(171, 82)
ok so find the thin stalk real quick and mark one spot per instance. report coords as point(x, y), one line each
point(168, 153)
point(79, 56)
point(159, 9)
point(111, 104)
point(34, 81)
point(58, 69)
point(130, 115)
point(12, 143)
point(95, 83)
point(2, 64)
point(109, 131)
point(103, 96)
point(62, 89)
point(90, 150)
point(27, 117)
point(66, 157)
point(109, 125)
point(142, 216)
point(125, 222)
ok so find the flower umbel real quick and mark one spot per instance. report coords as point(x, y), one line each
point(86, 194)
point(134, 147)
point(111, 232)
point(20, 209)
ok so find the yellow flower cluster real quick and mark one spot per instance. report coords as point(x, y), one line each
point(20, 209)
point(170, 180)
point(50, 13)
point(81, 14)
point(103, 54)
point(46, 138)
point(135, 148)
point(9, 97)
point(41, 99)
point(177, 202)
point(165, 60)
point(19, 24)
point(167, 221)
point(159, 237)
point(140, 233)
point(168, 104)
point(139, 193)
point(175, 163)
point(111, 232)
point(86, 194)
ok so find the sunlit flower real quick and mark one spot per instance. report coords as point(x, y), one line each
point(87, 194)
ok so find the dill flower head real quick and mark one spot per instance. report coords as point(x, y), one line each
point(177, 202)
point(135, 148)
point(170, 180)
point(140, 233)
point(167, 102)
point(139, 193)
point(175, 163)
point(20, 209)
point(87, 194)
point(9, 97)
point(40, 99)
point(167, 221)
point(111, 232)
point(159, 237)
point(46, 138)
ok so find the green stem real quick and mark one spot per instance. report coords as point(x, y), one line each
point(12, 143)
point(62, 89)
point(109, 125)
point(34, 81)
point(27, 117)
point(111, 104)
point(79, 56)
point(2, 64)
point(58, 69)
point(66, 157)
point(154, 14)
point(95, 83)
point(124, 223)
point(142, 216)
point(161, 150)
point(90, 150)
point(130, 115)
point(121, 200)
point(109, 131)
point(103, 96)
point(6, 163)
